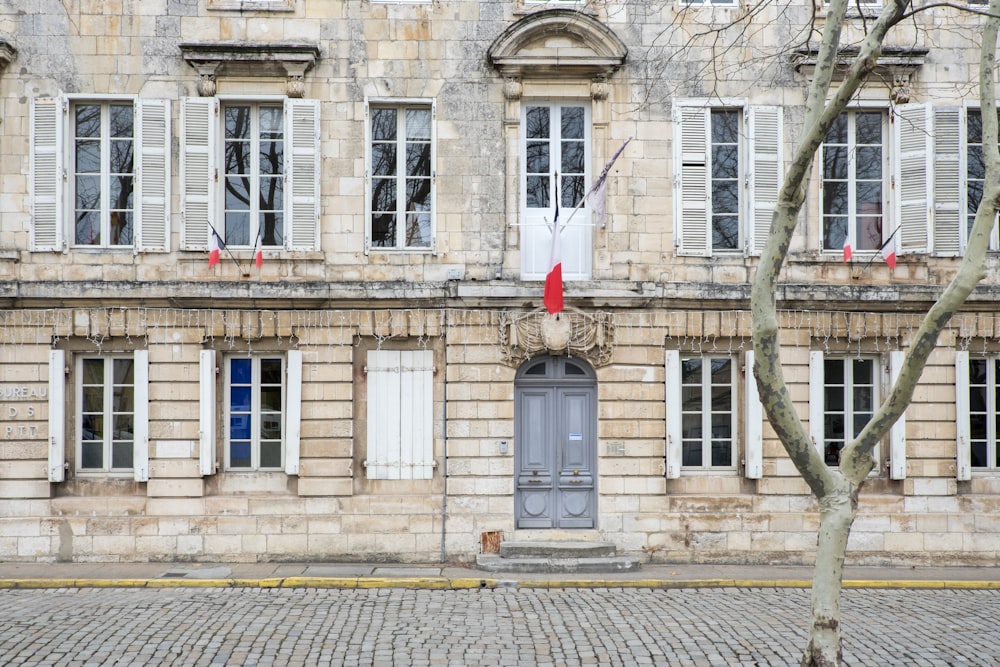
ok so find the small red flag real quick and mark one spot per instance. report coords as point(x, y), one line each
point(215, 246)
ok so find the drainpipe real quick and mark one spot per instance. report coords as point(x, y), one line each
point(444, 431)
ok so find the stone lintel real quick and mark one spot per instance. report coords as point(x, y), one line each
point(290, 60)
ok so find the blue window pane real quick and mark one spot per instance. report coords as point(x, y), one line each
point(240, 371)
point(239, 399)
point(239, 455)
point(239, 427)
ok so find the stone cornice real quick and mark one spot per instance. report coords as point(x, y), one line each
point(256, 59)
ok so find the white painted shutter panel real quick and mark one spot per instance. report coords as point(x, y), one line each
point(199, 174)
point(753, 420)
point(293, 412)
point(417, 393)
point(207, 409)
point(765, 176)
point(384, 415)
point(47, 173)
point(816, 392)
point(152, 178)
point(674, 449)
point(691, 201)
point(897, 434)
point(963, 439)
point(949, 182)
point(57, 415)
point(912, 130)
point(302, 174)
point(140, 436)
point(400, 414)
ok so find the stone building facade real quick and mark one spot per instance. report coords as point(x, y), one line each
point(367, 372)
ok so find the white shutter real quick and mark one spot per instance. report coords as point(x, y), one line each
point(949, 181)
point(152, 178)
point(302, 171)
point(692, 208)
point(897, 434)
point(674, 449)
point(417, 403)
point(765, 129)
point(384, 414)
point(57, 415)
point(753, 423)
point(963, 439)
point(816, 392)
point(47, 173)
point(207, 411)
point(199, 174)
point(293, 411)
point(400, 414)
point(140, 436)
point(912, 173)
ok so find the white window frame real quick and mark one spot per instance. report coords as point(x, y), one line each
point(963, 405)
point(203, 190)
point(400, 414)
point(400, 104)
point(817, 397)
point(291, 389)
point(52, 174)
point(706, 411)
point(709, 4)
point(576, 238)
point(760, 149)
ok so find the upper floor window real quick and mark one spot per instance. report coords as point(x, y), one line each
point(975, 171)
point(253, 169)
point(100, 173)
point(401, 176)
point(853, 171)
point(727, 164)
point(710, 3)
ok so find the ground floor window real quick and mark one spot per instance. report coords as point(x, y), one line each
point(849, 394)
point(984, 419)
point(708, 411)
point(255, 412)
point(106, 417)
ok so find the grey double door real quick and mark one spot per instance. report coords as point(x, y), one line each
point(556, 444)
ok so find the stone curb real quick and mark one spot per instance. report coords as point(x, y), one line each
point(444, 583)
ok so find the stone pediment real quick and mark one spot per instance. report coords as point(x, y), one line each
point(259, 59)
point(558, 42)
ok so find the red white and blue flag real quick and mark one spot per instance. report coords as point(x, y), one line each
point(215, 246)
point(553, 297)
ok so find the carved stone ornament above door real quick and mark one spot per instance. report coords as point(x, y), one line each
point(589, 336)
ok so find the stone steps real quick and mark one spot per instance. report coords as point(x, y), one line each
point(552, 556)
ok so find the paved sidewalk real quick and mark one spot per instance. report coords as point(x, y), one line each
point(438, 576)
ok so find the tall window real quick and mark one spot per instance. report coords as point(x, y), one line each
point(253, 157)
point(103, 174)
point(725, 179)
point(708, 412)
point(106, 421)
point(853, 181)
point(850, 394)
point(984, 419)
point(975, 170)
point(401, 181)
point(254, 413)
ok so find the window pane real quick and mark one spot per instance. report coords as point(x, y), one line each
point(270, 455)
point(121, 156)
point(691, 428)
point(237, 230)
point(383, 159)
point(270, 371)
point(240, 370)
point(418, 159)
point(418, 124)
point(124, 428)
point(691, 454)
point(272, 124)
point(418, 230)
point(537, 123)
point(92, 427)
point(270, 399)
point(270, 427)
point(239, 399)
point(384, 230)
point(272, 229)
point(722, 453)
point(537, 191)
point(92, 456)
point(88, 120)
point(384, 195)
point(537, 158)
point(869, 165)
point(93, 399)
point(837, 134)
point(121, 455)
point(239, 455)
point(572, 122)
point(725, 161)
point(572, 157)
point(237, 193)
point(272, 155)
point(120, 122)
point(237, 157)
point(868, 126)
point(239, 427)
point(573, 189)
point(725, 126)
point(237, 122)
point(383, 124)
point(88, 156)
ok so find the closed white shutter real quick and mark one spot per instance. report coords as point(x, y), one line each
point(897, 434)
point(302, 174)
point(47, 173)
point(293, 412)
point(152, 178)
point(140, 436)
point(199, 174)
point(753, 423)
point(963, 439)
point(949, 182)
point(692, 209)
point(674, 449)
point(207, 409)
point(765, 176)
point(57, 415)
point(400, 414)
point(816, 392)
point(912, 130)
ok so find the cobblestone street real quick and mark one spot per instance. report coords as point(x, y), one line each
point(506, 626)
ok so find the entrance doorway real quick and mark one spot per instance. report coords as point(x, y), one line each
point(555, 454)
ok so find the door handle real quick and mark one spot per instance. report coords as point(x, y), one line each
point(534, 481)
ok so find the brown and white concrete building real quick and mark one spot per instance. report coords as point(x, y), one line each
point(386, 383)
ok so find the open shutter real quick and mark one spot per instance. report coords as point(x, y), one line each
point(674, 450)
point(816, 398)
point(199, 174)
point(764, 125)
point(47, 177)
point(207, 408)
point(140, 437)
point(897, 434)
point(302, 174)
point(963, 439)
point(152, 178)
point(912, 134)
point(57, 415)
point(753, 423)
point(949, 181)
point(691, 201)
point(293, 411)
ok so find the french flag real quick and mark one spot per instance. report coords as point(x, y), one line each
point(215, 246)
point(553, 297)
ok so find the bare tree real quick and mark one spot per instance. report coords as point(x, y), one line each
point(836, 488)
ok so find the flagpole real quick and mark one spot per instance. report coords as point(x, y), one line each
point(226, 246)
point(881, 248)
